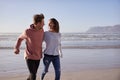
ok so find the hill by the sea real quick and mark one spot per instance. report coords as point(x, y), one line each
point(105, 29)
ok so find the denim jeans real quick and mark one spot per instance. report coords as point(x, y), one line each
point(56, 63)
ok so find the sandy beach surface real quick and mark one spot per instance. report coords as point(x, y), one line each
point(109, 74)
point(77, 64)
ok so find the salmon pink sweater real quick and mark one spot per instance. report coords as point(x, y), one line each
point(34, 39)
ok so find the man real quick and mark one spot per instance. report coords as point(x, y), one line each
point(33, 50)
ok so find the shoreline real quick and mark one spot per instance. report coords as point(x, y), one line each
point(79, 47)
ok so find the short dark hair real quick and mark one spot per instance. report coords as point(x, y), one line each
point(38, 18)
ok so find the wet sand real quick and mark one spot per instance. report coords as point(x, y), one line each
point(76, 64)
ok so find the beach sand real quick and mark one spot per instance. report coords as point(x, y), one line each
point(76, 64)
point(109, 74)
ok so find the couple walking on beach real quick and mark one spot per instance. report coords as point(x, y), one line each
point(34, 37)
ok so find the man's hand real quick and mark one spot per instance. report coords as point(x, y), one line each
point(16, 51)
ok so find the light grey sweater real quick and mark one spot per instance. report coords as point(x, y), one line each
point(53, 43)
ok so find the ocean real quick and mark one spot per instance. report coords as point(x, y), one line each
point(70, 40)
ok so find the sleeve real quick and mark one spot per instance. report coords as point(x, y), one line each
point(23, 35)
point(60, 48)
point(44, 44)
point(44, 36)
point(20, 39)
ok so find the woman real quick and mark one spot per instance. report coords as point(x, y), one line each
point(53, 50)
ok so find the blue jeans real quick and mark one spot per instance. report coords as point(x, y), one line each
point(56, 63)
